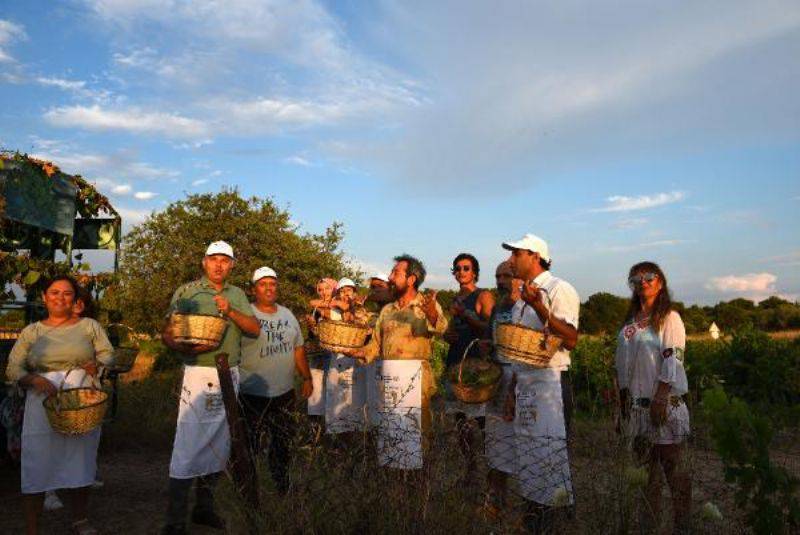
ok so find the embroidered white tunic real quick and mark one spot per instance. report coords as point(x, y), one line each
point(646, 357)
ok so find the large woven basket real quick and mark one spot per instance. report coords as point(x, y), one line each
point(526, 345)
point(339, 336)
point(124, 359)
point(9, 334)
point(202, 329)
point(76, 411)
point(467, 393)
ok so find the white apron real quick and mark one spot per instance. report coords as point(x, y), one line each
point(543, 463)
point(345, 395)
point(318, 368)
point(202, 439)
point(500, 443)
point(400, 408)
point(51, 460)
point(372, 372)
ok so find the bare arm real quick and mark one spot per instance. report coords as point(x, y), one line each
point(301, 365)
point(533, 297)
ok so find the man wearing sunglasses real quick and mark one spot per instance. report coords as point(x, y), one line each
point(541, 396)
point(471, 310)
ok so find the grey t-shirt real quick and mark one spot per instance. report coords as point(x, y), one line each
point(267, 366)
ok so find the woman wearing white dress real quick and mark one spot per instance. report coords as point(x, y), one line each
point(59, 349)
point(652, 381)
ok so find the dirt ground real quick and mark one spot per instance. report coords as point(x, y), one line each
point(132, 499)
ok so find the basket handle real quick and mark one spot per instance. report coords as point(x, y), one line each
point(199, 292)
point(464, 356)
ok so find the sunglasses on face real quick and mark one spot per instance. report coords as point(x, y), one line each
point(637, 280)
point(461, 268)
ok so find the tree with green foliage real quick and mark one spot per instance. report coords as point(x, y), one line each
point(603, 313)
point(166, 251)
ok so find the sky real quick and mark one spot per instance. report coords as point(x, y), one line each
point(617, 131)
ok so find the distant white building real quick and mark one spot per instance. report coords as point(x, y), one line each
point(714, 330)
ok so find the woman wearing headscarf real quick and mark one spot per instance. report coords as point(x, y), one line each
point(62, 349)
point(652, 381)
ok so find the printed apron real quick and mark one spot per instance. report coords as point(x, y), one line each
point(202, 439)
point(543, 463)
point(318, 366)
point(500, 442)
point(51, 460)
point(345, 395)
point(400, 432)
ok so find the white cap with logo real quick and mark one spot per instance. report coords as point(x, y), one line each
point(381, 276)
point(220, 247)
point(345, 282)
point(532, 243)
point(262, 272)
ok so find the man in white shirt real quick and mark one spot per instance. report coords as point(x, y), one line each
point(539, 398)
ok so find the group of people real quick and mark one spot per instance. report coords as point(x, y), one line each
point(387, 385)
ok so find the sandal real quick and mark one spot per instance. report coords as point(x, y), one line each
point(83, 527)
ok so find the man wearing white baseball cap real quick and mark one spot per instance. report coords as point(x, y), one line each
point(202, 440)
point(268, 366)
point(540, 428)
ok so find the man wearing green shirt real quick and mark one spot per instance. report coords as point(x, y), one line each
point(202, 440)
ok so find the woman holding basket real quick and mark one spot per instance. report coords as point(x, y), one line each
point(59, 351)
point(652, 381)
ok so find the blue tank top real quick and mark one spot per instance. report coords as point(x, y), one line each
point(465, 331)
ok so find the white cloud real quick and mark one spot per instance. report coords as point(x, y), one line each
point(298, 160)
point(199, 182)
point(750, 283)
point(130, 120)
point(122, 189)
point(61, 83)
point(622, 203)
point(132, 216)
point(144, 195)
point(9, 33)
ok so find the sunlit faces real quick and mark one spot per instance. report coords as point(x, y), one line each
point(503, 276)
point(398, 278)
point(464, 271)
point(646, 283)
point(59, 298)
point(346, 292)
point(324, 290)
point(217, 267)
point(265, 291)
point(522, 263)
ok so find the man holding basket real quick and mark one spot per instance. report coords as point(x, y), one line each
point(402, 344)
point(541, 403)
point(202, 440)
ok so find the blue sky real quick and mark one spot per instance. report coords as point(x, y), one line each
point(617, 131)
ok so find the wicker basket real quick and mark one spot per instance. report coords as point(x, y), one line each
point(467, 393)
point(76, 411)
point(9, 334)
point(339, 336)
point(202, 329)
point(526, 345)
point(127, 347)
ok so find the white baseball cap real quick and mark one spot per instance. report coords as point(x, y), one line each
point(381, 276)
point(345, 282)
point(219, 247)
point(262, 272)
point(532, 243)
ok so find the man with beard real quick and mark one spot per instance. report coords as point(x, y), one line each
point(501, 452)
point(202, 439)
point(471, 310)
point(402, 343)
